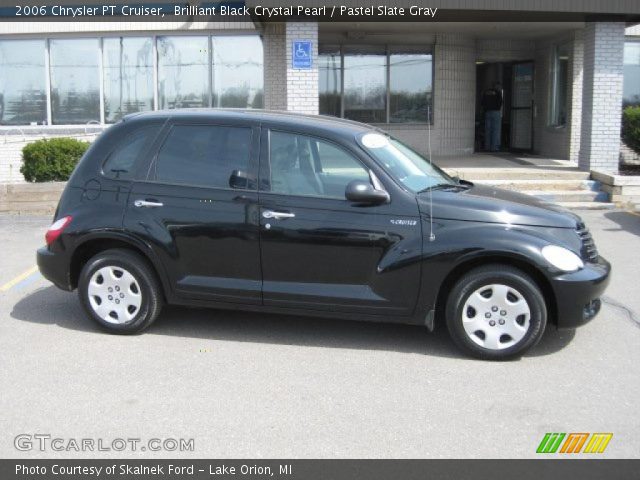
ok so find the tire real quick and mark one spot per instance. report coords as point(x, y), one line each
point(496, 312)
point(119, 291)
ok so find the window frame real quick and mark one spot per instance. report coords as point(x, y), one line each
point(389, 49)
point(252, 166)
point(265, 166)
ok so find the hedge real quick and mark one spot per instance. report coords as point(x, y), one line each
point(631, 127)
point(51, 160)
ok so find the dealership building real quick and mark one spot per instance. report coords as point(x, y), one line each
point(564, 82)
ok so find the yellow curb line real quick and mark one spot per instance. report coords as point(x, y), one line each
point(18, 279)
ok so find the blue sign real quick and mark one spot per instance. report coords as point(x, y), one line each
point(302, 55)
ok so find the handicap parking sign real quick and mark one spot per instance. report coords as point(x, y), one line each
point(302, 54)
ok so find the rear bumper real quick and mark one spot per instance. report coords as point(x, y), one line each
point(54, 267)
point(578, 293)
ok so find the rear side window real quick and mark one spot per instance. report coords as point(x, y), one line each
point(121, 162)
point(203, 155)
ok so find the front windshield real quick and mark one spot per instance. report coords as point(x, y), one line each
point(412, 170)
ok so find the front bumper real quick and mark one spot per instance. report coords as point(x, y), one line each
point(578, 293)
point(54, 267)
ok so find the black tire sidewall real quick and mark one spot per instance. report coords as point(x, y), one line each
point(498, 275)
point(134, 265)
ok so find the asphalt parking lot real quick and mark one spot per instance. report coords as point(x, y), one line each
point(245, 385)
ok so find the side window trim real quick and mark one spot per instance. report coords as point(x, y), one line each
point(151, 176)
point(265, 163)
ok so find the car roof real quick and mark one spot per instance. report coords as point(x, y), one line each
point(268, 116)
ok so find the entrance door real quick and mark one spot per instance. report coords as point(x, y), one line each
point(521, 131)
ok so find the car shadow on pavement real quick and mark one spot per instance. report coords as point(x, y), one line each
point(51, 306)
point(627, 222)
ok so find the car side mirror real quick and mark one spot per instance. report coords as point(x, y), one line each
point(239, 179)
point(364, 193)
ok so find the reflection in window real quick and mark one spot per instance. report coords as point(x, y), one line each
point(559, 86)
point(128, 76)
point(303, 165)
point(23, 97)
point(75, 81)
point(330, 77)
point(410, 87)
point(122, 160)
point(365, 87)
point(237, 72)
point(631, 91)
point(203, 155)
point(183, 69)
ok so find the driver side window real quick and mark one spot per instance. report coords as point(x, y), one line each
point(309, 166)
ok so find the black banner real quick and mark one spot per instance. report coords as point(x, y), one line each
point(241, 11)
point(542, 469)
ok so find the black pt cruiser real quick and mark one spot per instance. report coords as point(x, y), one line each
point(310, 215)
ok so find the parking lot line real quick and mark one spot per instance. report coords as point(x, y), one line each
point(18, 279)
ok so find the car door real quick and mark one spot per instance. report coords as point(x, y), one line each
point(320, 251)
point(198, 210)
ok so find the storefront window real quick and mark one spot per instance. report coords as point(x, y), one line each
point(23, 98)
point(631, 91)
point(237, 72)
point(75, 81)
point(365, 87)
point(128, 76)
point(183, 69)
point(330, 77)
point(559, 86)
point(188, 71)
point(411, 87)
point(381, 84)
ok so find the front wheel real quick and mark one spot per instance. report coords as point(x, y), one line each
point(496, 312)
point(118, 289)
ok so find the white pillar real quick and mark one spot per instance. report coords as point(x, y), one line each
point(602, 95)
point(286, 87)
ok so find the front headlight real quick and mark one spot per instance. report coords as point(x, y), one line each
point(561, 258)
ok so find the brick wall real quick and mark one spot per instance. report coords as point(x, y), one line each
point(575, 95)
point(275, 77)
point(455, 94)
point(602, 95)
point(302, 85)
point(287, 88)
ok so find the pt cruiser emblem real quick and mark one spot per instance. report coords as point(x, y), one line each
point(277, 212)
point(404, 222)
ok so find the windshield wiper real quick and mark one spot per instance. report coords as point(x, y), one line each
point(443, 186)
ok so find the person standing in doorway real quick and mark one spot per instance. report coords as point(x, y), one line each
point(492, 106)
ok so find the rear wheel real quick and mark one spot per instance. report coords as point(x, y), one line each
point(496, 312)
point(119, 291)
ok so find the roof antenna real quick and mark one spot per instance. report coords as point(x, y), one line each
point(432, 236)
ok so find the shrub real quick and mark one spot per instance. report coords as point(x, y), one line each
point(51, 160)
point(631, 127)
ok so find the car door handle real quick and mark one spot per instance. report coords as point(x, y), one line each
point(277, 215)
point(147, 203)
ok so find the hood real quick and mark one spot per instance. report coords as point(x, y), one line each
point(482, 203)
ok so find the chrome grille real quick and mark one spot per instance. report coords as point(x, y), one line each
point(588, 250)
